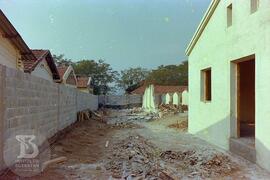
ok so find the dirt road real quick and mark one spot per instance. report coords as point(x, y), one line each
point(158, 149)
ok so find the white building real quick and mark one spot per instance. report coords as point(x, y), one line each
point(229, 72)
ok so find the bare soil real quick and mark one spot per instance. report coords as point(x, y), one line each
point(155, 149)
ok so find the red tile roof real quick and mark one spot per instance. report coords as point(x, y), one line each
point(82, 82)
point(161, 89)
point(29, 65)
point(62, 70)
point(40, 54)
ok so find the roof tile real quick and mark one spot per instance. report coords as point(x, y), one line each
point(161, 89)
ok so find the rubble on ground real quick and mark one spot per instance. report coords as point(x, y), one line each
point(133, 115)
point(135, 157)
point(167, 109)
point(199, 164)
point(180, 125)
point(126, 126)
point(124, 117)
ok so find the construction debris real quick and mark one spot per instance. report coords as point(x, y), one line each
point(180, 125)
point(107, 144)
point(129, 125)
point(53, 161)
point(92, 115)
point(200, 165)
point(98, 150)
point(167, 109)
point(133, 157)
point(136, 157)
point(134, 115)
point(84, 115)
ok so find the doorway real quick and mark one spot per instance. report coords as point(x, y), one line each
point(246, 98)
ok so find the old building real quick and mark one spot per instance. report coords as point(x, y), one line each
point(84, 84)
point(159, 89)
point(67, 75)
point(13, 49)
point(228, 78)
point(43, 66)
point(164, 94)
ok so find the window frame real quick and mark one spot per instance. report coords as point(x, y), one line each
point(254, 6)
point(206, 85)
point(229, 15)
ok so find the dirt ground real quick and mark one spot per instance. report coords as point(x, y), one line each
point(124, 148)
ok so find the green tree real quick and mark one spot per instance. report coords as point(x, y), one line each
point(102, 74)
point(132, 76)
point(61, 60)
point(169, 75)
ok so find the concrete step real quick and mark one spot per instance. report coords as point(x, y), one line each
point(244, 147)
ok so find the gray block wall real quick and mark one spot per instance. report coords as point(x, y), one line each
point(83, 103)
point(29, 102)
point(123, 101)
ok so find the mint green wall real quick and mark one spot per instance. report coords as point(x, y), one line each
point(216, 48)
point(149, 99)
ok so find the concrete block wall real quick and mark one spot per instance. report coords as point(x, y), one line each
point(67, 106)
point(32, 103)
point(83, 101)
point(123, 101)
point(117, 100)
point(135, 99)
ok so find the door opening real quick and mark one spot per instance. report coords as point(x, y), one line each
point(246, 98)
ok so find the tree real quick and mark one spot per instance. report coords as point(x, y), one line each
point(102, 74)
point(169, 75)
point(132, 76)
point(60, 60)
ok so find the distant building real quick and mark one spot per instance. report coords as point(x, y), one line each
point(13, 49)
point(42, 66)
point(164, 94)
point(84, 84)
point(159, 90)
point(67, 75)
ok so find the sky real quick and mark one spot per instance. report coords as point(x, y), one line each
point(125, 33)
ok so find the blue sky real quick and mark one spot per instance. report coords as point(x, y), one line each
point(126, 33)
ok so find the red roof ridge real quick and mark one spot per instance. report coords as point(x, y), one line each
point(161, 89)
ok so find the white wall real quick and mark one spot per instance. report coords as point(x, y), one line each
point(42, 70)
point(216, 48)
point(8, 53)
point(185, 97)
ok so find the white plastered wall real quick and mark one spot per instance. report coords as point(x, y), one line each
point(42, 70)
point(217, 47)
point(185, 97)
